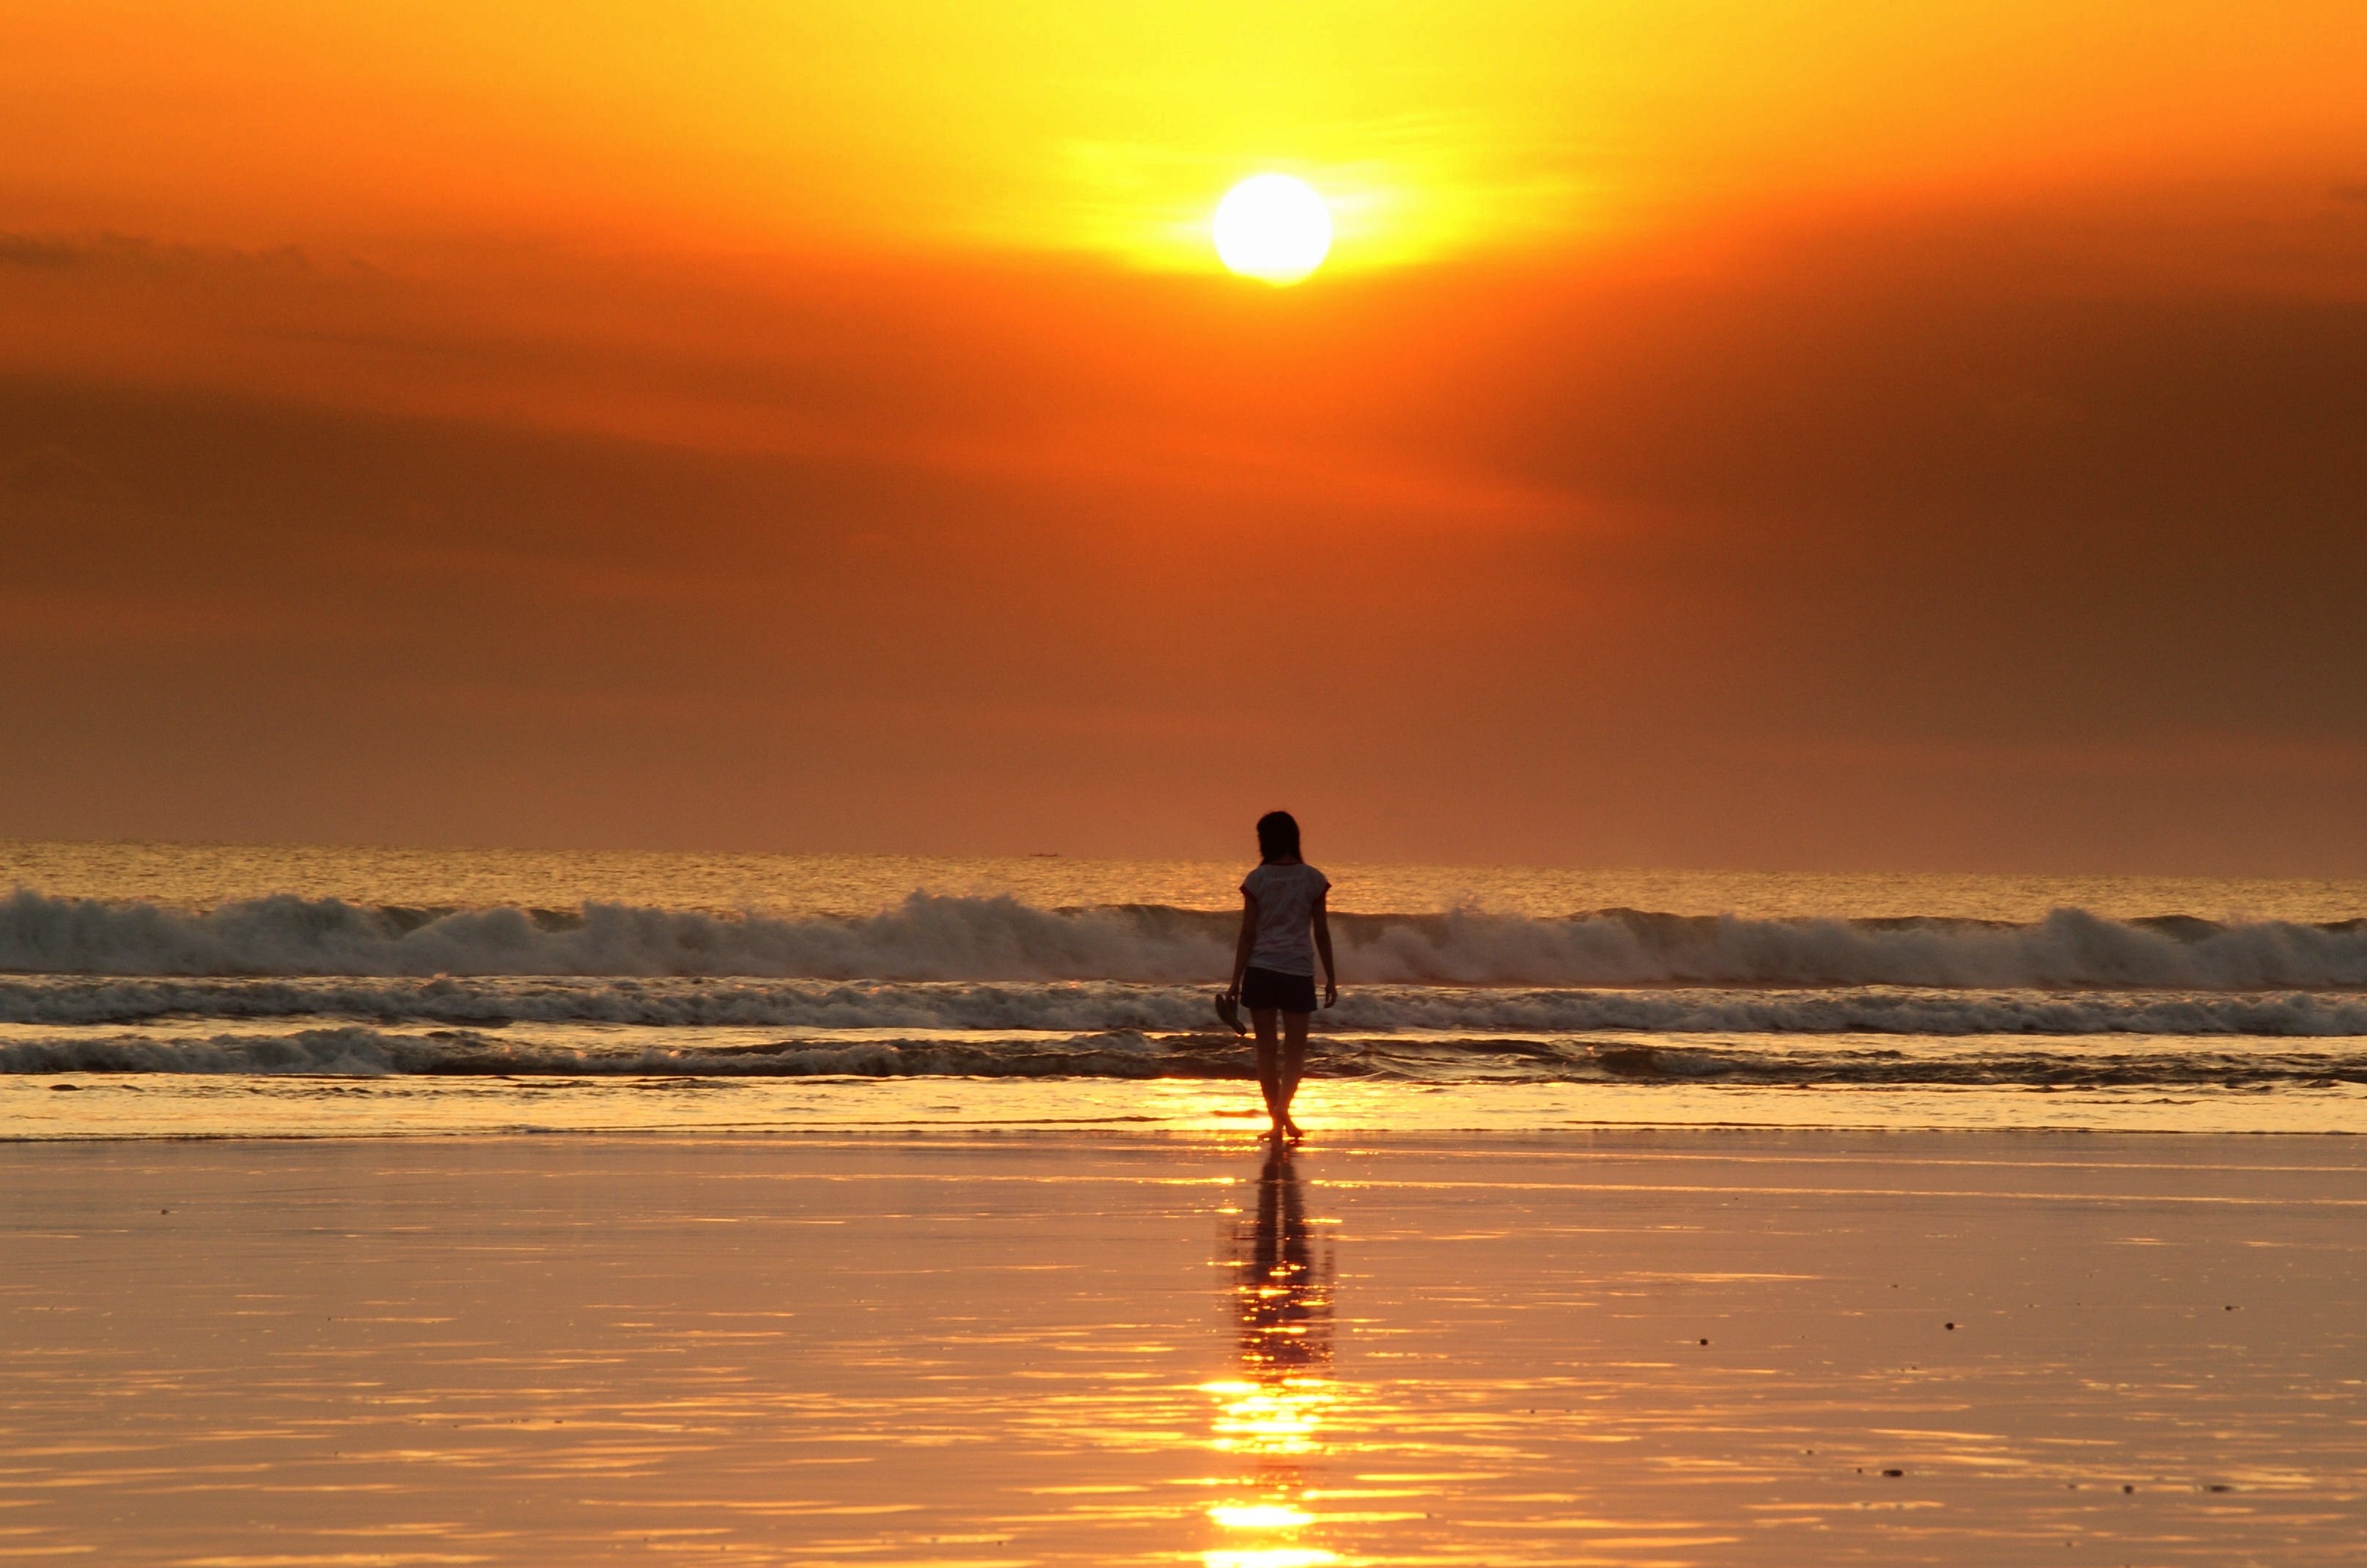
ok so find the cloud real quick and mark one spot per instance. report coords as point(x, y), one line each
point(1845, 547)
point(33, 250)
point(47, 473)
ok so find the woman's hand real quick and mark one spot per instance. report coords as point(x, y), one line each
point(1330, 993)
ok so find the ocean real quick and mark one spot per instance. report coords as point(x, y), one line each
point(241, 989)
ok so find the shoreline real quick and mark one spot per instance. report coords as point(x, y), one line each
point(945, 1134)
point(142, 1107)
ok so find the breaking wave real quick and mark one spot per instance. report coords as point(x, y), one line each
point(1101, 1006)
point(364, 1050)
point(939, 938)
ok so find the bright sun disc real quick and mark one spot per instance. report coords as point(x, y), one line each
point(1273, 227)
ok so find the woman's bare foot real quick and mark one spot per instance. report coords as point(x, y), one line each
point(1292, 1129)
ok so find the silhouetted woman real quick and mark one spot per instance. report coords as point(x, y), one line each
point(1284, 926)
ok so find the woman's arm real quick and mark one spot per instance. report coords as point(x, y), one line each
point(1241, 948)
point(1323, 947)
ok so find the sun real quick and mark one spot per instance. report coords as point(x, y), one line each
point(1273, 226)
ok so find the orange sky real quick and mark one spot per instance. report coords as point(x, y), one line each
point(1826, 436)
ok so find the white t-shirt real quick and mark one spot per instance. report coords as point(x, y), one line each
point(1286, 903)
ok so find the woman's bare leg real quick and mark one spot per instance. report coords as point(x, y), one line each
point(1269, 1065)
point(1292, 1068)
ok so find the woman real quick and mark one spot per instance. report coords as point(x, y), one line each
point(1274, 963)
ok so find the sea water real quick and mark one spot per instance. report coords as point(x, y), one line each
point(203, 989)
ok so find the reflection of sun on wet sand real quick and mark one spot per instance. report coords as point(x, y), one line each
point(1720, 1350)
point(1273, 1414)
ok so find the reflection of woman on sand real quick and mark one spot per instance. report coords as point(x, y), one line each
point(1282, 1300)
point(1273, 1414)
point(1284, 926)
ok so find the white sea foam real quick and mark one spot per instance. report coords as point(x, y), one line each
point(942, 937)
point(361, 1049)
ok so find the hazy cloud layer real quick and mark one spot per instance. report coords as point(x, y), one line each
point(1866, 548)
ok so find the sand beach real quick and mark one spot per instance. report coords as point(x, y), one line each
point(1625, 1347)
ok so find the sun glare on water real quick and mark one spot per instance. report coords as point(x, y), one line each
point(1273, 227)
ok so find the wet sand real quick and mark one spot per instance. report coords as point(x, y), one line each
point(274, 1105)
point(1631, 1348)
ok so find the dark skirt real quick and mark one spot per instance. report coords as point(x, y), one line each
point(1264, 988)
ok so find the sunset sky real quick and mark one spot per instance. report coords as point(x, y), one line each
point(1819, 436)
